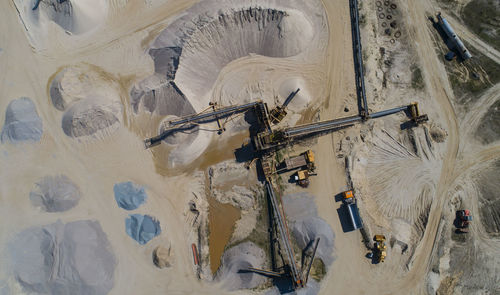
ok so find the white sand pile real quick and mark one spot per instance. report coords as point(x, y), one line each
point(22, 122)
point(90, 99)
point(191, 52)
point(236, 261)
point(307, 226)
point(72, 258)
point(73, 16)
point(55, 194)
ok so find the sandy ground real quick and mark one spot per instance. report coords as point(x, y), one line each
point(117, 50)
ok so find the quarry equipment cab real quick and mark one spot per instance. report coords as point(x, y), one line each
point(380, 248)
point(415, 115)
point(463, 219)
point(277, 114)
point(352, 208)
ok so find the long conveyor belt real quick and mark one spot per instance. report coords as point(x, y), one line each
point(200, 118)
point(284, 234)
point(335, 123)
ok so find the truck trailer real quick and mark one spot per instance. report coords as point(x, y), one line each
point(352, 209)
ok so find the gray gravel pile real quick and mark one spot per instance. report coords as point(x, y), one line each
point(142, 228)
point(236, 261)
point(22, 122)
point(73, 258)
point(302, 212)
point(129, 195)
point(90, 116)
point(55, 194)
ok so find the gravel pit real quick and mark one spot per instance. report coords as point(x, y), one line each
point(22, 122)
point(72, 258)
point(55, 194)
point(236, 261)
point(142, 228)
point(129, 195)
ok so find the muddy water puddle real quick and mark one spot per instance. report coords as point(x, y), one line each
point(222, 219)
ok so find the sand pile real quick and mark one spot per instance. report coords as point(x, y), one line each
point(129, 195)
point(307, 226)
point(22, 122)
point(72, 258)
point(393, 161)
point(72, 16)
point(55, 194)
point(235, 261)
point(89, 98)
point(142, 228)
point(191, 52)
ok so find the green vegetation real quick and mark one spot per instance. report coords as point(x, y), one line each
point(483, 18)
point(318, 269)
point(417, 81)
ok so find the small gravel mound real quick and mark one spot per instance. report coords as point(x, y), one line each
point(55, 194)
point(73, 258)
point(307, 229)
point(162, 257)
point(236, 261)
point(307, 226)
point(142, 228)
point(22, 122)
point(129, 195)
point(88, 117)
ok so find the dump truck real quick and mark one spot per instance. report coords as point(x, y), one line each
point(380, 248)
point(352, 208)
point(304, 160)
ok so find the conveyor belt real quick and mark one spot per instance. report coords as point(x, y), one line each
point(199, 118)
point(222, 112)
point(358, 58)
point(283, 234)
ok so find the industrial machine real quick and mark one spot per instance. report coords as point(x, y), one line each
point(463, 219)
point(305, 160)
point(453, 42)
point(352, 209)
point(302, 178)
point(380, 248)
point(277, 114)
point(269, 140)
point(415, 115)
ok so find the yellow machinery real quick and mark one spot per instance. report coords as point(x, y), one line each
point(380, 248)
point(415, 114)
point(277, 114)
point(302, 178)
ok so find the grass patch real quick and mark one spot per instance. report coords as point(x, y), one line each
point(483, 18)
point(318, 270)
point(417, 81)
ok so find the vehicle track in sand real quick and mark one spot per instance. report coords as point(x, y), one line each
point(439, 89)
point(454, 163)
point(469, 37)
